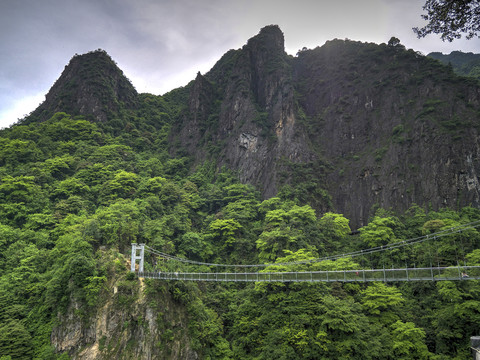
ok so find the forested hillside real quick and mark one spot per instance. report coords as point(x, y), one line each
point(187, 174)
point(466, 64)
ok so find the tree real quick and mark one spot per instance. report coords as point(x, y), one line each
point(59, 166)
point(61, 127)
point(17, 151)
point(119, 223)
point(334, 229)
point(124, 185)
point(451, 19)
point(15, 340)
point(395, 43)
point(225, 231)
point(194, 246)
point(408, 341)
point(379, 231)
point(71, 186)
point(20, 196)
point(382, 301)
point(286, 230)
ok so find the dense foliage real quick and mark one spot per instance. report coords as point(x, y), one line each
point(465, 64)
point(75, 194)
point(76, 191)
point(450, 19)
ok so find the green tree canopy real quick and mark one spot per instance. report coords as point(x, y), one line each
point(450, 19)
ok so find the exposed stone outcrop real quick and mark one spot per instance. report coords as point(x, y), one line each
point(398, 133)
point(255, 120)
point(390, 127)
point(91, 85)
point(368, 125)
point(120, 328)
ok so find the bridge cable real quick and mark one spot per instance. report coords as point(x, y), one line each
point(370, 251)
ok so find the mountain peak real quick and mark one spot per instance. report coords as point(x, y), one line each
point(271, 30)
point(270, 37)
point(90, 85)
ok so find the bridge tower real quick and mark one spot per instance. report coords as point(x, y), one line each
point(475, 342)
point(138, 251)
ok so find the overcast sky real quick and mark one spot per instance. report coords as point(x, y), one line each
point(161, 44)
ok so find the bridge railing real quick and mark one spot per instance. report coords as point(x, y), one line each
point(408, 274)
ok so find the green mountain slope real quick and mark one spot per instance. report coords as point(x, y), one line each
point(465, 64)
point(240, 167)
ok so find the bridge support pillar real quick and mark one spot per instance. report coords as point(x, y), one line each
point(475, 346)
point(138, 251)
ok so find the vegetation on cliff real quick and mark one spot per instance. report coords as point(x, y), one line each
point(74, 197)
point(76, 189)
point(465, 64)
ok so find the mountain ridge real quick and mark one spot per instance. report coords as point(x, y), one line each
point(465, 64)
point(350, 127)
point(346, 126)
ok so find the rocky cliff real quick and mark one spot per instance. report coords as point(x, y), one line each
point(347, 126)
point(91, 84)
point(252, 119)
point(130, 320)
point(397, 128)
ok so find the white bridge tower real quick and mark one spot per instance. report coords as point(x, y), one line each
point(137, 256)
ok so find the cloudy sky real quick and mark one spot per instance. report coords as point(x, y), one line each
point(161, 44)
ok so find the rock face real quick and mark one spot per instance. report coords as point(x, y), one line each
point(124, 329)
point(91, 85)
point(349, 126)
point(402, 130)
point(369, 125)
point(252, 120)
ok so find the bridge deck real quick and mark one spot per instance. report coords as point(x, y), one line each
point(386, 275)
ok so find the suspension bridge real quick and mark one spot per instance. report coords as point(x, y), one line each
point(435, 257)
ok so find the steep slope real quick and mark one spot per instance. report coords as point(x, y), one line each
point(347, 126)
point(397, 128)
point(91, 85)
point(465, 64)
point(126, 323)
point(242, 113)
